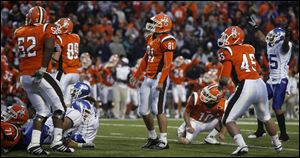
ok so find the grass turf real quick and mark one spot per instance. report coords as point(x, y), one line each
point(124, 138)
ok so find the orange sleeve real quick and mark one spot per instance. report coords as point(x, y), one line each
point(141, 67)
point(227, 67)
point(168, 58)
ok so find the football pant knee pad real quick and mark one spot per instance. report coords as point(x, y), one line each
point(40, 118)
point(59, 114)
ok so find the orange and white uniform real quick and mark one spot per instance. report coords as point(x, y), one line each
point(240, 64)
point(156, 62)
point(69, 63)
point(214, 68)
point(133, 94)
point(202, 118)
point(10, 79)
point(30, 44)
point(177, 76)
point(90, 75)
point(106, 94)
point(47, 95)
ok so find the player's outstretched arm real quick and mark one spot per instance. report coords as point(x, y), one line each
point(258, 34)
point(285, 46)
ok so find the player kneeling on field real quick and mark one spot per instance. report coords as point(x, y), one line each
point(86, 133)
point(203, 112)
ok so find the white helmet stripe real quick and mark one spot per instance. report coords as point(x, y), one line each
point(41, 14)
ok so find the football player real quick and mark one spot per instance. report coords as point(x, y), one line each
point(157, 61)
point(203, 112)
point(86, 132)
point(240, 65)
point(11, 122)
point(67, 57)
point(279, 51)
point(108, 81)
point(88, 72)
point(80, 111)
point(35, 43)
point(177, 74)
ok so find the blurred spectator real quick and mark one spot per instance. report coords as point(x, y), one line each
point(111, 27)
point(116, 47)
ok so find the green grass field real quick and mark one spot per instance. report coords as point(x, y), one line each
point(124, 138)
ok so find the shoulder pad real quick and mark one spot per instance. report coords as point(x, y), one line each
point(229, 50)
point(195, 97)
point(168, 37)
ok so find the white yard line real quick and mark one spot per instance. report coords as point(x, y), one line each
point(173, 127)
point(196, 142)
point(238, 122)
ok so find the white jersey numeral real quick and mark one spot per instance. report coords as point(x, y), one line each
point(28, 50)
point(72, 51)
point(150, 52)
point(245, 64)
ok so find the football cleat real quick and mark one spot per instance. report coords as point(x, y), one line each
point(211, 140)
point(60, 147)
point(257, 135)
point(160, 145)
point(150, 142)
point(240, 151)
point(37, 150)
point(284, 137)
point(278, 147)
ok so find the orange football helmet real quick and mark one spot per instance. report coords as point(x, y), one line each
point(161, 23)
point(36, 15)
point(231, 36)
point(15, 114)
point(64, 25)
point(210, 94)
point(10, 135)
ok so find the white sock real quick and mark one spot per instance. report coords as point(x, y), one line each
point(276, 140)
point(213, 133)
point(163, 137)
point(36, 136)
point(57, 135)
point(239, 140)
point(152, 134)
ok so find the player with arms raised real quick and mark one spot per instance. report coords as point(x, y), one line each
point(156, 62)
point(279, 51)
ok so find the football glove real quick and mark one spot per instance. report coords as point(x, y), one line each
point(37, 77)
point(287, 31)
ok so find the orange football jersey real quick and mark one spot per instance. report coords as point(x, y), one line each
point(154, 56)
point(69, 52)
point(90, 74)
point(107, 78)
point(216, 68)
point(200, 112)
point(239, 62)
point(30, 40)
point(177, 75)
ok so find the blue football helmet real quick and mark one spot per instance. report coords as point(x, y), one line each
point(275, 36)
point(80, 90)
point(84, 107)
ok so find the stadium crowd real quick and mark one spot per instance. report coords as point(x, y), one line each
point(111, 27)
